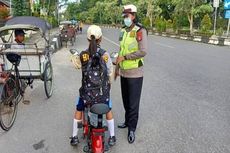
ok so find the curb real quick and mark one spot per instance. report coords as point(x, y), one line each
point(55, 43)
point(206, 40)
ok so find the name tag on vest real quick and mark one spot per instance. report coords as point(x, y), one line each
point(132, 34)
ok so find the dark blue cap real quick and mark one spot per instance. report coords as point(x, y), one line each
point(19, 32)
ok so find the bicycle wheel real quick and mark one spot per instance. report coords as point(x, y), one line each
point(8, 104)
point(48, 79)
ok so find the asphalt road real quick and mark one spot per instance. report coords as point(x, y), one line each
point(185, 106)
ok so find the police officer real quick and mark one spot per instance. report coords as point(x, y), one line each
point(133, 48)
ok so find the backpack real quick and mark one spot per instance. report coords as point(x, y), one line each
point(95, 81)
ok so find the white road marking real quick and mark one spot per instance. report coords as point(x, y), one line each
point(157, 43)
point(164, 45)
point(111, 41)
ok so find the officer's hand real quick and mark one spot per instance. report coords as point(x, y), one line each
point(120, 59)
point(117, 73)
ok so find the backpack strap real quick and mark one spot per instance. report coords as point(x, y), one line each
point(101, 52)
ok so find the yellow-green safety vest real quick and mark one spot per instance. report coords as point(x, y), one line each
point(129, 44)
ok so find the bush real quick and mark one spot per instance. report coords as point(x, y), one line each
point(169, 24)
point(184, 31)
point(175, 24)
point(222, 23)
point(160, 24)
point(204, 34)
point(220, 31)
point(206, 24)
point(146, 22)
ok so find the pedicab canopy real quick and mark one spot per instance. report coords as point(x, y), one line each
point(65, 22)
point(27, 23)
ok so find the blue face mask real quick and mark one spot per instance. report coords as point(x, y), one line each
point(128, 22)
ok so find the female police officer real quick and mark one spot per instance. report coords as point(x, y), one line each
point(133, 47)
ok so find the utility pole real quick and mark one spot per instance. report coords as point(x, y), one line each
point(10, 7)
point(228, 27)
point(216, 4)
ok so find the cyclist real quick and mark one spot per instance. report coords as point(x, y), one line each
point(94, 35)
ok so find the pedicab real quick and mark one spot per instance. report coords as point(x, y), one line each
point(67, 32)
point(20, 66)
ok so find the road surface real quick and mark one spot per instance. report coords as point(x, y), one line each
point(185, 105)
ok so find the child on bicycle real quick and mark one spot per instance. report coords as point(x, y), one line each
point(94, 35)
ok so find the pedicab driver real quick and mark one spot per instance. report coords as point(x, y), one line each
point(130, 62)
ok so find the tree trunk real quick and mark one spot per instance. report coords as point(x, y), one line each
point(190, 19)
point(151, 20)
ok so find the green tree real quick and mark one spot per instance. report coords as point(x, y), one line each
point(206, 24)
point(191, 8)
point(152, 10)
point(21, 8)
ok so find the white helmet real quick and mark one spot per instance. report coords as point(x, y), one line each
point(94, 30)
point(130, 9)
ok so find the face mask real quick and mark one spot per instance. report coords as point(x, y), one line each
point(128, 22)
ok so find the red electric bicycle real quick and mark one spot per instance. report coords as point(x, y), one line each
point(94, 132)
point(92, 124)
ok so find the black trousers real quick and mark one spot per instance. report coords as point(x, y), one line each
point(131, 93)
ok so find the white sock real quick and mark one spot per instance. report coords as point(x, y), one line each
point(111, 127)
point(75, 127)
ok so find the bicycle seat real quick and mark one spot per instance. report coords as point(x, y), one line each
point(99, 109)
point(14, 58)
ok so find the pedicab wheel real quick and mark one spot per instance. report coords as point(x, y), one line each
point(8, 104)
point(48, 79)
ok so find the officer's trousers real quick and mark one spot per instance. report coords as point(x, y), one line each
point(131, 93)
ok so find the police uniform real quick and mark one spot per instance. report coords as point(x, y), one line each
point(133, 47)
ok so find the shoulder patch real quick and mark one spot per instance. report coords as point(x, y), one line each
point(105, 58)
point(84, 56)
point(139, 35)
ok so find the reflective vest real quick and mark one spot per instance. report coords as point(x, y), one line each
point(129, 44)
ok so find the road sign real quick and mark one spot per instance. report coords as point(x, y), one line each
point(216, 3)
point(227, 14)
point(226, 4)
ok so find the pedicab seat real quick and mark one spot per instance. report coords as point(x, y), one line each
point(14, 58)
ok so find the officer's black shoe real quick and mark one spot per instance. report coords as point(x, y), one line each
point(74, 141)
point(131, 137)
point(112, 141)
point(122, 125)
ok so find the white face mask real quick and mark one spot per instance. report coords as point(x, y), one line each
point(128, 22)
